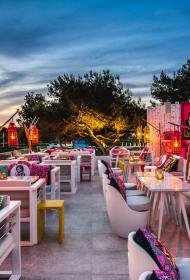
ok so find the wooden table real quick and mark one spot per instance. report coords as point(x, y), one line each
point(170, 188)
point(18, 187)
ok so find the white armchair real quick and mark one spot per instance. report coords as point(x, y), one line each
point(145, 275)
point(136, 266)
point(126, 216)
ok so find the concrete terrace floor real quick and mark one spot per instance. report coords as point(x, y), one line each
point(91, 251)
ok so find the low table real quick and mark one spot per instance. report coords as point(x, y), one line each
point(171, 187)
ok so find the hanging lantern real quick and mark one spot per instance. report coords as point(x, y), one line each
point(139, 133)
point(176, 142)
point(147, 134)
point(34, 134)
point(12, 135)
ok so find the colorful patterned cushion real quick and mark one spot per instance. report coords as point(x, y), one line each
point(108, 167)
point(41, 170)
point(157, 251)
point(171, 164)
point(67, 157)
point(163, 159)
point(119, 185)
point(160, 275)
point(34, 158)
point(4, 170)
point(21, 168)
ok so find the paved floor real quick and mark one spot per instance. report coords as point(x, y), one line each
point(91, 251)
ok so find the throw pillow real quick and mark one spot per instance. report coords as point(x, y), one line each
point(160, 275)
point(163, 159)
point(171, 164)
point(21, 168)
point(116, 183)
point(157, 251)
point(42, 171)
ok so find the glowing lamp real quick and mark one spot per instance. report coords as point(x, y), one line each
point(131, 158)
point(12, 135)
point(34, 133)
point(176, 142)
point(159, 173)
point(147, 134)
point(139, 133)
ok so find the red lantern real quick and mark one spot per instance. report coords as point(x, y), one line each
point(176, 142)
point(34, 134)
point(167, 135)
point(12, 135)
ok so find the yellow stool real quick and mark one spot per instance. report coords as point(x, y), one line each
point(50, 204)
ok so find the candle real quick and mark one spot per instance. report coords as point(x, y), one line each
point(159, 174)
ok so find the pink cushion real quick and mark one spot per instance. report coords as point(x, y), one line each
point(158, 252)
point(163, 159)
point(21, 168)
point(34, 158)
point(160, 275)
point(41, 170)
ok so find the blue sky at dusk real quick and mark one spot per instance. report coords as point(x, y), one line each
point(42, 39)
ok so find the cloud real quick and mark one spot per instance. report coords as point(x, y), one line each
point(43, 39)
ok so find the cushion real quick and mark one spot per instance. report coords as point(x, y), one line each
point(163, 160)
point(34, 158)
point(171, 164)
point(108, 167)
point(114, 182)
point(160, 275)
point(21, 168)
point(134, 192)
point(3, 171)
point(139, 203)
point(157, 251)
point(66, 157)
point(41, 170)
point(130, 186)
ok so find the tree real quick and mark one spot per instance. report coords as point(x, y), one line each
point(172, 89)
point(93, 106)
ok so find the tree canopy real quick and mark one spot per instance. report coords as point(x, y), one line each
point(93, 106)
point(175, 88)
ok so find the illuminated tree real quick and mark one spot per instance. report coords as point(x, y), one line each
point(94, 106)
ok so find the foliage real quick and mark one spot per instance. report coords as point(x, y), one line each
point(93, 106)
point(172, 89)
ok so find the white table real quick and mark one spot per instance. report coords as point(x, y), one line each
point(71, 177)
point(11, 243)
point(171, 187)
point(18, 187)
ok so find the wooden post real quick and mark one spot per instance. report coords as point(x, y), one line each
point(27, 132)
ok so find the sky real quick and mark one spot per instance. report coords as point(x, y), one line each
point(41, 39)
